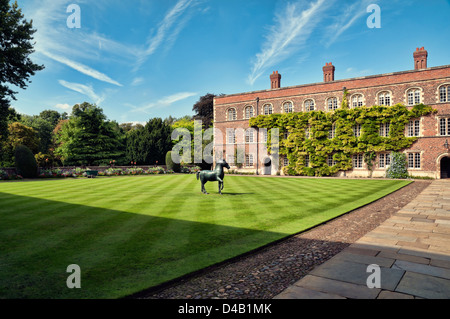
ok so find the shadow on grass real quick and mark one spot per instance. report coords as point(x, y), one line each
point(119, 253)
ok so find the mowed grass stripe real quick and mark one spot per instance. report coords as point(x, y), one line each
point(131, 233)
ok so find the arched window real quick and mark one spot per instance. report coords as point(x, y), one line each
point(249, 133)
point(357, 100)
point(384, 98)
point(249, 112)
point(413, 97)
point(268, 109)
point(444, 93)
point(332, 104)
point(309, 105)
point(287, 107)
point(232, 114)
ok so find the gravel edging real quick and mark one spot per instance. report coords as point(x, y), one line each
point(267, 272)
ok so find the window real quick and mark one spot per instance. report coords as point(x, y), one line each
point(232, 115)
point(265, 136)
point(444, 126)
point(413, 97)
point(249, 112)
point(357, 130)
point(358, 161)
point(413, 160)
point(444, 93)
point(286, 134)
point(249, 135)
point(384, 160)
point(249, 160)
point(384, 98)
point(332, 132)
point(287, 107)
point(330, 160)
point(307, 133)
point(307, 160)
point(231, 160)
point(414, 128)
point(384, 129)
point(268, 109)
point(285, 161)
point(357, 100)
point(231, 136)
point(309, 105)
point(332, 104)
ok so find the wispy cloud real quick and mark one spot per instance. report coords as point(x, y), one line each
point(163, 102)
point(81, 68)
point(344, 20)
point(83, 89)
point(169, 28)
point(292, 27)
point(62, 106)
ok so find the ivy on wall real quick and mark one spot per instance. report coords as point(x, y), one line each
point(320, 134)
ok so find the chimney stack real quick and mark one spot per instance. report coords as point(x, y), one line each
point(275, 80)
point(420, 58)
point(328, 72)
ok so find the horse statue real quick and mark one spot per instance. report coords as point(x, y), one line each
point(212, 176)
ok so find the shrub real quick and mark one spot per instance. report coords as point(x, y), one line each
point(170, 163)
point(397, 169)
point(26, 164)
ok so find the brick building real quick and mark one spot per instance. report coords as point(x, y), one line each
point(428, 156)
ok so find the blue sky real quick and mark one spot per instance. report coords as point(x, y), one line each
point(140, 59)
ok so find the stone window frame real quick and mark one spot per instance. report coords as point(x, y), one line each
point(384, 160)
point(355, 95)
point(228, 114)
point(414, 158)
point(263, 108)
point(391, 98)
point(421, 95)
point(438, 93)
point(250, 135)
point(446, 120)
point(252, 111)
point(249, 160)
point(358, 161)
point(327, 103)
point(314, 104)
point(282, 107)
point(414, 128)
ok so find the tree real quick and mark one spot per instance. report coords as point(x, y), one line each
point(16, 35)
point(87, 138)
point(25, 162)
point(204, 109)
point(18, 134)
point(149, 145)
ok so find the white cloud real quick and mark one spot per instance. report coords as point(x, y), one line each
point(64, 107)
point(83, 89)
point(137, 81)
point(82, 68)
point(344, 20)
point(163, 102)
point(292, 28)
point(169, 28)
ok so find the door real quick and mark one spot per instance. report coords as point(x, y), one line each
point(445, 167)
point(267, 166)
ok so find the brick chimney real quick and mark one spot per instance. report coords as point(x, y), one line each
point(328, 72)
point(420, 58)
point(275, 80)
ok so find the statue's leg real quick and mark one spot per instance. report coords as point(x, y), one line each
point(220, 188)
point(204, 189)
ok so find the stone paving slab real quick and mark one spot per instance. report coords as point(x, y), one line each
point(412, 250)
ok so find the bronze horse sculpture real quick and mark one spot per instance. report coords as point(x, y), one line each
point(217, 175)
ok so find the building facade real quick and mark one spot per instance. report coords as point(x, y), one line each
point(244, 147)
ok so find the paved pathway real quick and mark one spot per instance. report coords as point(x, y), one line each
point(411, 249)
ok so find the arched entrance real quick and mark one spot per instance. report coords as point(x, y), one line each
point(445, 167)
point(267, 166)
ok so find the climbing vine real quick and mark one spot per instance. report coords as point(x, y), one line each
point(316, 135)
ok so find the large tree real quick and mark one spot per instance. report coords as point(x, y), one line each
point(87, 138)
point(204, 109)
point(16, 35)
point(149, 145)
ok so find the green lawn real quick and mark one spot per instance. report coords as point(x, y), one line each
point(131, 233)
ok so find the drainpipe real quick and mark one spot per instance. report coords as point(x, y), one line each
point(257, 138)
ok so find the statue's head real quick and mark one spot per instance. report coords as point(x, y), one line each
point(224, 163)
